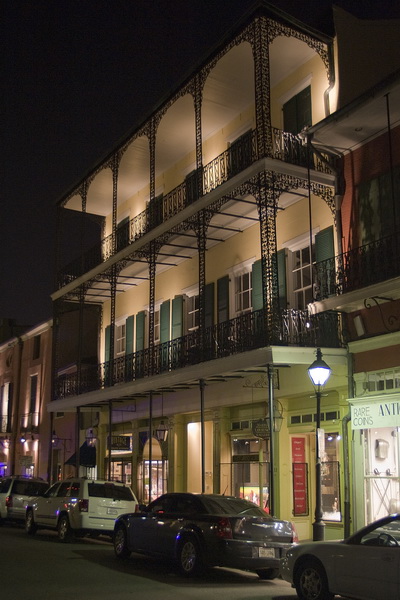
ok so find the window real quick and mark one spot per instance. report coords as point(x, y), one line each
point(383, 381)
point(36, 347)
point(330, 483)
point(5, 407)
point(33, 394)
point(192, 304)
point(375, 201)
point(301, 268)
point(243, 290)
point(120, 337)
point(123, 233)
point(240, 153)
point(297, 112)
point(157, 326)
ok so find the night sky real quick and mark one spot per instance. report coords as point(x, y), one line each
point(77, 76)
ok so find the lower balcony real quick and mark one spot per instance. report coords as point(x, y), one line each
point(242, 334)
point(358, 268)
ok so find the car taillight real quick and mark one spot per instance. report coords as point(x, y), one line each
point(223, 529)
point(83, 505)
point(295, 537)
point(9, 501)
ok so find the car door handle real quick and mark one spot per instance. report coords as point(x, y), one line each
point(388, 558)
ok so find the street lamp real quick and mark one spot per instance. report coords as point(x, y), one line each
point(319, 373)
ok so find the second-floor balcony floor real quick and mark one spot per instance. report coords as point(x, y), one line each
point(199, 191)
point(226, 343)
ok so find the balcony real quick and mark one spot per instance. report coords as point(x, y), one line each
point(242, 334)
point(286, 147)
point(358, 268)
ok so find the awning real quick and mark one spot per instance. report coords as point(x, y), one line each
point(87, 456)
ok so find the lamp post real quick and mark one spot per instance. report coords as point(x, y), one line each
point(319, 373)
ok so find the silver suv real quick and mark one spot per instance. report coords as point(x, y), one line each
point(80, 507)
point(15, 494)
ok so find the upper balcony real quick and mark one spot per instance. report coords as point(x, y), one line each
point(287, 148)
point(348, 274)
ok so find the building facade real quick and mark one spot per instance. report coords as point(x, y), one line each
point(25, 392)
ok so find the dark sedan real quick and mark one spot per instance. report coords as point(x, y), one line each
point(199, 530)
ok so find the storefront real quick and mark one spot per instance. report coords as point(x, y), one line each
point(375, 422)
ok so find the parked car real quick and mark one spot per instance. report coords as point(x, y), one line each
point(80, 507)
point(15, 492)
point(198, 530)
point(364, 566)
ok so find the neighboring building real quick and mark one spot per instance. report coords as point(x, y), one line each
point(362, 281)
point(25, 380)
point(208, 219)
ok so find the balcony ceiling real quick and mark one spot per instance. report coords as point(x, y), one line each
point(362, 120)
point(228, 93)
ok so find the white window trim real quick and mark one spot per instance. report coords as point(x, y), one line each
point(233, 272)
point(299, 87)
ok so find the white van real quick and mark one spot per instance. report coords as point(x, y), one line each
point(80, 507)
point(15, 492)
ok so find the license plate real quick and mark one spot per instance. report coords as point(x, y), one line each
point(266, 552)
point(112, 511)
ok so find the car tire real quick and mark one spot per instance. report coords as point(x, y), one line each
point(267, 573)
point(311, 582)
point(189, 557)
point(121, 543)
point(64, 529)
point(30, 525)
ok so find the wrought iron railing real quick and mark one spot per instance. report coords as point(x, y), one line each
point(360, 267)
point(5, 424)
point(29, 422)
point(242, 334)
point(285, 146)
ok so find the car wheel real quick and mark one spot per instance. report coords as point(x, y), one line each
point(189, 557)
point(267, 573)
point(64, 529)
point(121, 543)
point(30, 525)
point(311, 582)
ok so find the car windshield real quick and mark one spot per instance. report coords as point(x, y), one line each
point(109, 490)
point(223, 505)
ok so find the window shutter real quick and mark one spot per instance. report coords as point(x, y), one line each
point(130, 324)
point(177, 317)
point(165, 321)
point(140, 331)
point(223, 299)
point(257, 300)
point(209, 304)
point(9, 406)
point(107, 337)
point(281, 266)
point(324, 246)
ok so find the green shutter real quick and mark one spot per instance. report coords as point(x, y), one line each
point(140, 331)
point(164, 321)
point(129, 334)
point(177, 317)
point(257, 300)
point(324, 247)
point(209, 304)
point(297, 112)
point(223, 299)
point(107, 336)
point(281, 266)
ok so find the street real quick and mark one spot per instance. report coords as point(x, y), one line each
point(42, 568)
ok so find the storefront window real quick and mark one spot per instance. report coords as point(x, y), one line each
point(330, 481)
point(382, 483)
point(250, 470)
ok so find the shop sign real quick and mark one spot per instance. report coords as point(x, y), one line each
point(261, 428)
point(26, 461)
point(300, 487)
point(385, 413)
point(245, 458)
point(120, 442)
